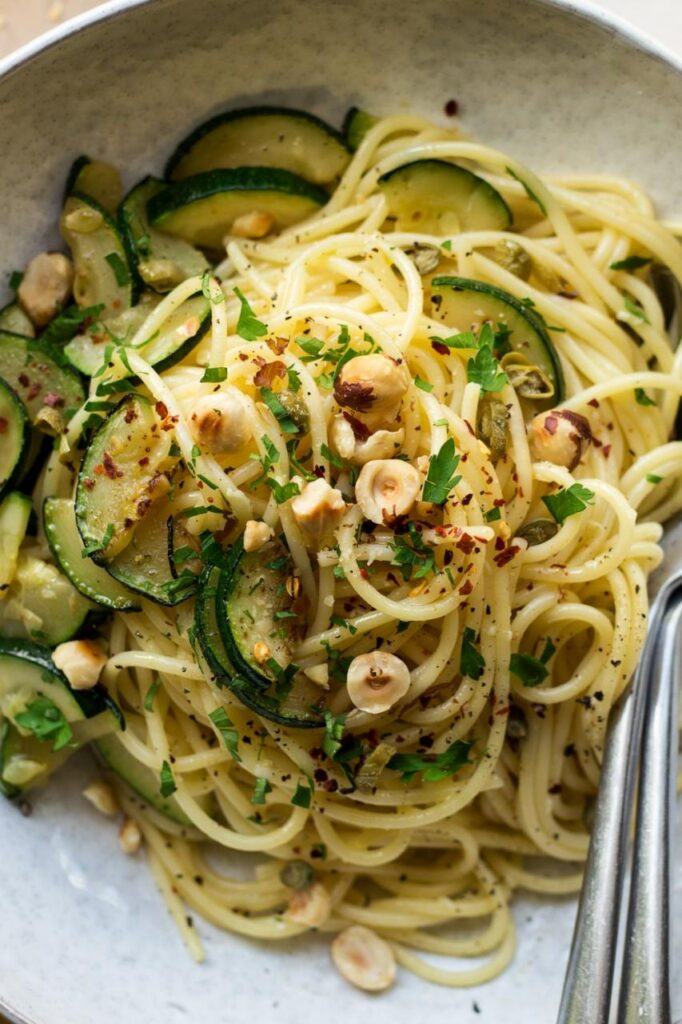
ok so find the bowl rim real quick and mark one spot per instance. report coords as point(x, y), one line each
point(584, 10)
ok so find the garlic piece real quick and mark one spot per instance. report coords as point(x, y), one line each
point(318, 508)
point(256, 224)
point(256, 534)
point(102, 798)
point(382, 444)
point(45, 286)
point(559, 436)
point(376, 681)
point(220, 421)
point(373, 386)
point(130, 837)
point(311, 906)
point(386, 489)
point(81, 661)
point(364, 959)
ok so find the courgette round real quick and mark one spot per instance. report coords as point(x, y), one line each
point(34, 374)
point(15, 435)
point(355, 126)
point(440, 198)
point(464, 304)
point(229, 662)
point(96, 179)
point(13, 319)
point(65, 542)
point(263, 137)
point(203, 208)
point(103, 273)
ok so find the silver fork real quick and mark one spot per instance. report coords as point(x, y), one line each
point(639, 759)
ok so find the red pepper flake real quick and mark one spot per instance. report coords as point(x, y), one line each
point(466, 544)
point(130, 414)
point(451, 108)
point(99, 469)
point(243, 356)
point(161, 410)
point(23, 380)
point(594, 403)
point(502, 711)
point(33, 391)
point(466, 588)
point(499, 544)
point(606, 451)
point(53, 400)
point(144, 461)
point(439, 347)
point(268, 373)
point(3, 425)
point(319, 472)
point(499, 502)
point(506, 556)
point(364, 574)
point(109, 467)
point(88, 483)
point(467, 498)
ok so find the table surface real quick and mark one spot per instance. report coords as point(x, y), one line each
point(22, 20)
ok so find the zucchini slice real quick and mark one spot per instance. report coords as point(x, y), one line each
point(87, 348)
point(162, 261)
point(355, 126)
point(144, 565)
point(228, 599)
point(14, 436)
point(65, 542)
point(142, 779)
point(202, 209)
point(96, 179)
point(34, 374)
point(443, 199)
point(263, 137)
point(121, 476)
point(28, 675)
point(464, 304)
point(13, 318)
point(15, 512)
point(42, 604)
point(103, 273)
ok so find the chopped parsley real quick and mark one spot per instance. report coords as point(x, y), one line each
point(151, 694)
point(279, 411)
point(14, 279)
point(168, 786)
point(654, 478)
point(303, 795)
point(642, 398)
point(94, 546)
point(282, 492)
point(441, 477)
point(423, 385)
point(493, 514)
point(568, 501)
point(433, 767)
point(333, 733)
point(293, 379)
point(214, 375)
point(484, 369)
point(260, 790)
point(532, 671)
point(471, 662)
point(412, 556)
point(631, 263)
point(248, 326)
point(46, 721)
point(332, 457)
point(67, 324)
point(635, 309)
point(227, 730)
point(119, 267)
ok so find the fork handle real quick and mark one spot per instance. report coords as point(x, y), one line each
point(645, 988)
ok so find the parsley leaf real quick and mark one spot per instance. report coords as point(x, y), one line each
point(484, 369)
point(333, 734)
point(168, 786)
point(214, 375)
point(151, 694)
point(414, 558)
point(635, 309)
point(227, 730)
point(423, 385)
point(441, 477)
point(248, 326)
point(433, 767)
point(493, 514)
point(279, 411)
point(68, 323)
point(260, 790)
point(642, 398)
point(119, 267)
point(94, 546)
point(303, 795)
point(568, 501)
point(471, 662)
point(531, 671)
point(46, 721)
point(631, 263)
point(654, 478)
point(293, 379)
point(282, 492)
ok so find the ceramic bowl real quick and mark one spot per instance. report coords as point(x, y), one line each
point(84, 936)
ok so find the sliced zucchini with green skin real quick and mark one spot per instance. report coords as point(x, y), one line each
point(14, 436)
point(42, 604)
point(65, 542)
point(439, 198)
point(464, 304)
point(34, 374)
point(144, 564)
point(13, 318)
point(263, 137)
point(121, 475)
point(103, 273)
point(141, 779)
point(162, 261)
point(15, 512)
point(356, 124)
point(202, 209)
point(87, 349)
point(28, 674)
point(96, 179)
point(223, 594)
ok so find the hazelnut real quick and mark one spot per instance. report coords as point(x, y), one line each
point(220, 421)
point(81, 661)
point(256, 534)
point(311, 906)
point(256, 224)
point(374, 387)
point(559, 436)
point(130, 837)
point(364, 959)
point(386, 489)
point(376, 681)
point(382, 444)
point(318, 508)
point(45, 287)
point(102, 797)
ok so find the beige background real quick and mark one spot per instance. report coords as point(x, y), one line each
point(20, 20)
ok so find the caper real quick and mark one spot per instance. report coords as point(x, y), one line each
point(296, 408)
point(529, 381)
point(517, 726)
point(537, 531)
point(297, 874)
point(425, 258)
point(514, 258)
point(372, 767)
point(492, 426)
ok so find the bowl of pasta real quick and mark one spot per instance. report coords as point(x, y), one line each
point(337, 418)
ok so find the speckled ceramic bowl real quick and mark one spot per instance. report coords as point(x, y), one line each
point(84, 936)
